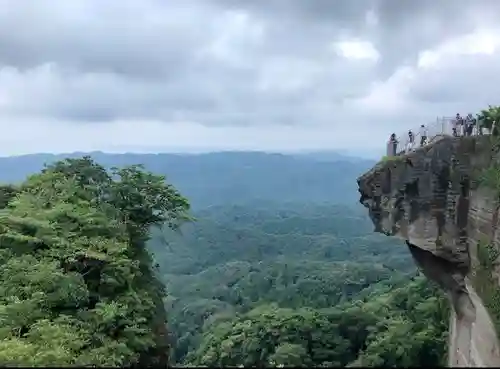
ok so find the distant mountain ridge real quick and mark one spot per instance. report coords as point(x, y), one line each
point(229, 177)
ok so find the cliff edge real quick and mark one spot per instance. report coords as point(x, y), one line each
point(436, 200)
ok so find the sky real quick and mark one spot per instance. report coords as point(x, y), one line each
point(210, 75)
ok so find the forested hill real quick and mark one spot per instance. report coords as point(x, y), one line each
point(229, 177)
point(295, 284)
point(77, 287)
point(280, 266)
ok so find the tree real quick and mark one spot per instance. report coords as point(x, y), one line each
point(487, 117)
point(76, 284)
point(288, 354)
point(7, 193)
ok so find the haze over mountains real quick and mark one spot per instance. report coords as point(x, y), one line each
point(229, 177)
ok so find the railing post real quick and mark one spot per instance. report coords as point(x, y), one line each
point(432, 128)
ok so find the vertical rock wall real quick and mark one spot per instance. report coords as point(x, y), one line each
point(432, 200)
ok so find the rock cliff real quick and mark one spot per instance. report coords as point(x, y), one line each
point(436, 201)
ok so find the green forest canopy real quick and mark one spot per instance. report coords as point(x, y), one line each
point(76, 283)
point(274, 284)
point(296, 284)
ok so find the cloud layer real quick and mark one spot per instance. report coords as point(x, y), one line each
point(191, 75)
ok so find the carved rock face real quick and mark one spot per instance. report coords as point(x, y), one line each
point(423, 198)
point(430, 198)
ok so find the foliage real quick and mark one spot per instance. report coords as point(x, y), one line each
point(7, 192)
point(484, 280)
point(391, 158)
point(380, 332)
point(297, 285)
point(489, 116)
point(269, 232)
point(490, 177)
point(77, 288)
point(287, 280)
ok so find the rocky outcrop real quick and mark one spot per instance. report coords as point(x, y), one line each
point(432, 199)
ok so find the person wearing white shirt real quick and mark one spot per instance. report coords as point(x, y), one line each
point(423, 135)
point(410, 142)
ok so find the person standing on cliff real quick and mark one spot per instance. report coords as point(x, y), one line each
point(411, 141)
point(456, 124)
point(466, 126)
point(393, 141)
point(423, 135)
point(469, 124)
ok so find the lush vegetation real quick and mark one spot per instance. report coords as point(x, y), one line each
point(402, 328)
point(273, 271)
point(76, 283)
point(484, 274)
point(490, 117)
point(484, 280)
point(296, 285)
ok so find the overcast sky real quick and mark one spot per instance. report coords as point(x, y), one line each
point(276, 75)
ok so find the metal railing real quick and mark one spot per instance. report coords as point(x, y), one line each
point(443, 126)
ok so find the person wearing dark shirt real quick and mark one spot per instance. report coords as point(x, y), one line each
point(423, 135)
point(394, 144)
point(457, 123)
point(469, 124)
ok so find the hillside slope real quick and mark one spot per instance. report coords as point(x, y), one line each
point(244, 271)
point(76, 285)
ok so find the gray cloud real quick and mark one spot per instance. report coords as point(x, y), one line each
point(240, 63)
point(125, 37)
point(467, 82)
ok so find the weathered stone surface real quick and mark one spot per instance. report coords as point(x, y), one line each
point(431, 199)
